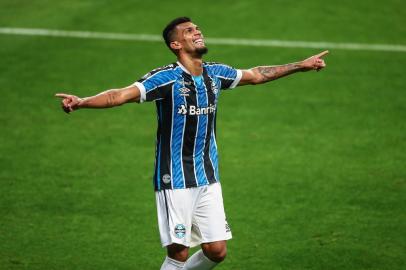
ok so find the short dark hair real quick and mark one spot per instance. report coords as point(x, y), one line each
point(168, 31)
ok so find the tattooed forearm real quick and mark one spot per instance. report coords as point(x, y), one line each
point(270, 73)
point(111, 98)
point(105, 99)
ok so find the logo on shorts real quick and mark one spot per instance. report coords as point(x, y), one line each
point(166, 178)
point(228, 229)
point(180, 231)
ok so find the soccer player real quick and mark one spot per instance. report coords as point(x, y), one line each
point(186, 178)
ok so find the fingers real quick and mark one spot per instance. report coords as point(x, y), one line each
point(66, 109)
point(61, 95)
point(65, 105)
point(67, 102)
point(321, 54)
point(319, 64)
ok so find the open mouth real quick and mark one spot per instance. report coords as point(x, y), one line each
point(198, 41)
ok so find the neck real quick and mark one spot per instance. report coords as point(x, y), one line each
point(193, 64)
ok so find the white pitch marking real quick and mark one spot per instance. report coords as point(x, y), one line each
point(215, 41)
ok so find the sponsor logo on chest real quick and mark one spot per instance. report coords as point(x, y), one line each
point(194, 110)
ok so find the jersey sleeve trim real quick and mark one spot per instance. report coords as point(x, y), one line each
point(237, 79)
point(141, 87)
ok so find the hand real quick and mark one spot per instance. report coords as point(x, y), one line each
point(69, 103)
point(315, 62)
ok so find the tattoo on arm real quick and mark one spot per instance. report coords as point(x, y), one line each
point(269, 73)
point(106, 99)
point(111, 98)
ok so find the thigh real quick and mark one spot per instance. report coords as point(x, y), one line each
point(209, 219)
point(175, 211)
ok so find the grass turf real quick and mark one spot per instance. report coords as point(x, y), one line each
point(312, 166)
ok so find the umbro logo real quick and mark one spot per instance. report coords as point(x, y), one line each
point(184, 92)
point(228, 229)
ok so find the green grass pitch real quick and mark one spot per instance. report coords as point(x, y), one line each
point(313, 166)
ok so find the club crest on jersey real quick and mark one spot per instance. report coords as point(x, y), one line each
point(166, 178)
point(194, 110)
point(184, 92)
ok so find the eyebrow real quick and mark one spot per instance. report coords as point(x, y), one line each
point(191, 27)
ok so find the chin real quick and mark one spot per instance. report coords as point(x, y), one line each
point(201, 51)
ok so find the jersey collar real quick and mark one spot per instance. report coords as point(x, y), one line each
point(182, 67)
point(185, 70)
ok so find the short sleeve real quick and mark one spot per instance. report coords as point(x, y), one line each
point(155, 85)
point(229, 76)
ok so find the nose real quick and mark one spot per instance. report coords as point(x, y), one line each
point(198, 32)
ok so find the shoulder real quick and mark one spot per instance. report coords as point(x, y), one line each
point(167, 71)
point(213, 64)
point(216, 65)
point(169, 67)
point(218, 69)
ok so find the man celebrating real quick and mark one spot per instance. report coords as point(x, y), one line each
point(186, 179)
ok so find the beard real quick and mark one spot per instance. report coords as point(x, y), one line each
point(202, 51)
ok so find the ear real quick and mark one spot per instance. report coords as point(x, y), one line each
point(175, 45)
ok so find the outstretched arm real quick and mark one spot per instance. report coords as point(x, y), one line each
point(106, 99)
point(263, 74)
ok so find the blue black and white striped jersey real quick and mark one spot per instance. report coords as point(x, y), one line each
point(186, 149)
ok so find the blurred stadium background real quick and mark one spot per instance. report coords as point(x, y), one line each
point(313, 166)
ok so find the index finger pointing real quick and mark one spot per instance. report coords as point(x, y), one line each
point(61, 95)
point(322, 54)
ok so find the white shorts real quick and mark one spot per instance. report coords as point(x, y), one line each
point(192, 216)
